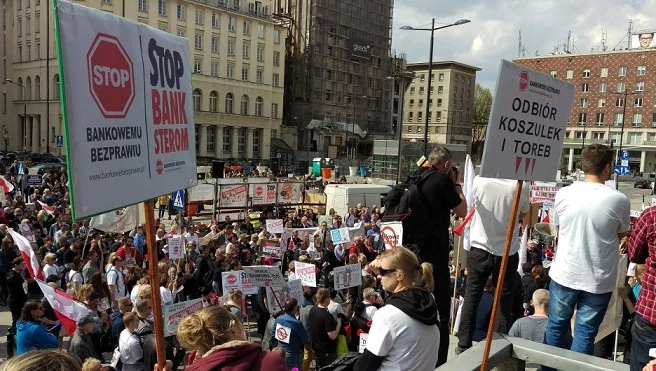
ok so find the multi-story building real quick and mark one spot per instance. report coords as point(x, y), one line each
point(237, 52)
point(615, 99)
point(450, 101)
point(338, 64)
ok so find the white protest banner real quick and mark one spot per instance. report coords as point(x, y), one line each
point(27, 232)
point(265, 276)
point(294, 290)
point(635, 213)
point(363, 342)
point(274, 226)
point(302, 233)
point(542, 194)
point(283, 333)
point(527, 125)
point(289, 193)
point(263, 194)
point(127, 109)
point(613, 318)
point(233, 195)
point(392, 234)
point(340, 235)
point(202, 192)
point(306, 273)
point(272, 249)
point(175, 247)
point(174, 313)
point(347, 276)
point(237, 280)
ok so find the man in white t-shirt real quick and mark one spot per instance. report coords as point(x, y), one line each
point(115, 281)
point(592, 218)
point(493, 199)
point(192, 236)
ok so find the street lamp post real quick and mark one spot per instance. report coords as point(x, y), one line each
point(352, 101)
point(617, 154)
point(430, 67)
point(405, 79)
point(24, 112)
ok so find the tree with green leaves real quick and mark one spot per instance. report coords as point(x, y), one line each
point(482, 108)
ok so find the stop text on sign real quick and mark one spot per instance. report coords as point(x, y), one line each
point(168, 99)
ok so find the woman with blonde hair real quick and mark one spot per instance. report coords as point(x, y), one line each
point(43, 360)
point(235, 299)
point(219, 339)
point(50, 268)
point(404, 332)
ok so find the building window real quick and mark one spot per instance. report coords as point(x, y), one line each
point(231, 47)
point(260, 31)
point(440, 89)
point(216, 20)
point(247, 28)
point(198, 42)
point(584, 102)
point(440, 77)
point(581, 134)
point(259, 102)
point(412, 103)
point(210, 139)
point(226, 138)
point(642, 70)
point(653, 121)
point(603, 87)
point(601, 103)
point(621, 71)
point(244, 73)
point(603, 72)
point(241, 137)
point(569, 74)
point(638, 102)
point(635, 138)
point(552, 73)
point(438, 117)
point(37, 88)
point(584, 88)
point(198, 66)
point(412, 91)
point(19, 26)
point(256, 143)
point(181, 33)
point(422, 77)
point(274, 110)
point(637, 120)
point(600, 118)
point(620, 87)
point(182, 12)
point(276, 36)
point(200, 16)
point(260, 53)
point(214, 98)
point(582, 118)
point(598, 135)
point(276, 79)
point(143, 5)
point(586, 73)
point(229, 101)
point(231, 24)
point(214, 71)
point(246, 51)
point(230, 71)
point(103, 1)
point(619, 102)
point(161, 7)
point(439, 102)
point(259, 75)
point(244, 105)
point(409, 118)
point(55, 92)
point(215, 44)
point(197, 97)
point(640, 86)
point(37, 23)
point(276, 59)
point(619, 117)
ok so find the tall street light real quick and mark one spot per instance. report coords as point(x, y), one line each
point(430, 66)
point(24, 112)
point(617, 153)
point(351, 98)
point(405, 78)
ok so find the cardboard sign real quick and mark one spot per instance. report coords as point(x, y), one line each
point(306, 273)
point(340, 235)
point(527, 125)
point(175, 247)
point(294, 290)
point(392, 234)
point(233, 195)
point(363, 342)
point(347, 276)
point(263, 194)
point(265, 276)
point(127, 109)
point(274, 226)
point(174, 313)
point(237, 280)
point(26, 232)
point(283, 333)
point(272, 249)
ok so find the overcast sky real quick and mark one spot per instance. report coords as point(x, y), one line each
point(492, 34)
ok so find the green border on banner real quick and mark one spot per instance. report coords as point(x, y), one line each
point(62, 95)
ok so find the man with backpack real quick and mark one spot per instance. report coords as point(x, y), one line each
point(424, 203)
point(204, 268)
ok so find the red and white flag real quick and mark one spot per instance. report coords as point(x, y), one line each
point(28, 254)
point(67, 309)
point(6, 185)
point(468, 188)
point(47, 208)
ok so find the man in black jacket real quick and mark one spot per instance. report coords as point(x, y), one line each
point(146, 334)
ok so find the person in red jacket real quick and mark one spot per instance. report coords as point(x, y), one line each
point(129, 253)
point(219, 340)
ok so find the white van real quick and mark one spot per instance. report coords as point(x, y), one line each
point(341, 197)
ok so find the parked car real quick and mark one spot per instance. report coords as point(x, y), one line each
point(643, 183)
point(44, 168)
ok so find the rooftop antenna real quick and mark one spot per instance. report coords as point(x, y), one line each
point(569, 39)
point(629, 33)
point(521, 49)
point(604, 38)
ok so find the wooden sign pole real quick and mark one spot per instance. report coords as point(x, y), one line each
point(156, 300)
point(502, 274)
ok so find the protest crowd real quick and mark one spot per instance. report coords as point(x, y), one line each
point(351, 297)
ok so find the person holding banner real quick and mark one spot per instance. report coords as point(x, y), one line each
point(404, 331)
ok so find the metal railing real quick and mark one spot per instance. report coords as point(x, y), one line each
point(511, 354)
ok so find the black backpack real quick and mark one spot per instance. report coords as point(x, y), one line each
point(406, 203)
point(344, 363)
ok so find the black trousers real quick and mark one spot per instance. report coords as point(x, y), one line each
point(480, 265)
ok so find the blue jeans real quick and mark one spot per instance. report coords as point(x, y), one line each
point(294, 361)
point(591, 309)
point(644, 338)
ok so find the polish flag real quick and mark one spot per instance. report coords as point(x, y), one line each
point(67, 309)
point(28, 254)
point(468, 185)
point(6, 185)
point(523, 246)
point(47, 208)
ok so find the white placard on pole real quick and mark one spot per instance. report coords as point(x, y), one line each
point(265, 276)
point(392, 234)
point(175, 247)
point(306, 273)
point(347, 276)
point(274, 226)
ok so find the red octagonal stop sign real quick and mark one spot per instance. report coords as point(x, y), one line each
point(111, 76)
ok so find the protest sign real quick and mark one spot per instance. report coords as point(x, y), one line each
point(306, 273)
point(272, 249)
point(175, 247)
point(202, 192)
point(233, 195)
point(265, 276)
point(635, 213)
point(283, 333)
point(274, 226)
point(27, 232)
point(289, 192)
point(294, 290)
point(340, 235)
point(527, 125)
point(264, 194)
point(174, 313)
point(392, 234)
point(542, 194)
point(127, 109)
point(613, 317)
point(347, 276)
point(363, 342)
point(237, 280)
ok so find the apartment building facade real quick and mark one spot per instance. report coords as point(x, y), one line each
point(237, 52)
